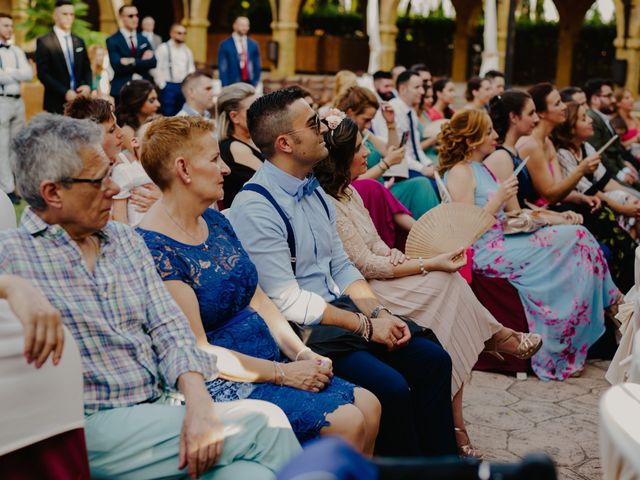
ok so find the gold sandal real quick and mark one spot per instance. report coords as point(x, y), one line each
point(528, 346)
point(467, 450)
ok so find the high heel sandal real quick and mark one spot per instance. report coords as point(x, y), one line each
point(467, 450)
point(529, 344)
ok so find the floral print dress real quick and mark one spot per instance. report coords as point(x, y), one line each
point(561, 276)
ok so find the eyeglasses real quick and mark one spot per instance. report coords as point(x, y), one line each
point(102, 182)
point(315, 126)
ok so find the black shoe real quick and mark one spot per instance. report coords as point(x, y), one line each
point(14, 197)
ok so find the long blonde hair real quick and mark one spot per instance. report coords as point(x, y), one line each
point(465, 131)
point(229, 101)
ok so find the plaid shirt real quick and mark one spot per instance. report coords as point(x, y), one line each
point(133, 338)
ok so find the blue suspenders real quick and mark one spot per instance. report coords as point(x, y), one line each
point(291, 239)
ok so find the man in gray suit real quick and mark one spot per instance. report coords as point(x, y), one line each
point(148, 26)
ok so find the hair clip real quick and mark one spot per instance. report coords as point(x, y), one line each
point(333, 117)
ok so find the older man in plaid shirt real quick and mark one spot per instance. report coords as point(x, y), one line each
point(135, 343)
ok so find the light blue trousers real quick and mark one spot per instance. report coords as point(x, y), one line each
point(143, 441)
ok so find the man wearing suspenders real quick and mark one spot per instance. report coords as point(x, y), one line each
point(175, 62)
point(14, 68)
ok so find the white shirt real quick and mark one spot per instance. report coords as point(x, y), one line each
point(128, 35)
point(14, 68)
point(241, 44)
point(175, 62)
point(62, 39)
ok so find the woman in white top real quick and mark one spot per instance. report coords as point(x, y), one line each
point(570, 139)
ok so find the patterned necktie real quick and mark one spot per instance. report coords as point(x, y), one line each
point(244, 61)
point(132, 46)
point(72, 74)
point(413, 139)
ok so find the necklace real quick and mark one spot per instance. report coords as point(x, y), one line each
point(199, 242)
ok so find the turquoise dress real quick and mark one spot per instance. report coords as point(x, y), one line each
point(561, 276)
point(224, 280)
point(430, 152)
point(416, 193)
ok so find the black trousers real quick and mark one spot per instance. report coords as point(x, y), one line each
point(413, 385)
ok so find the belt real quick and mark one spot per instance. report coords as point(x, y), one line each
point(10, 95)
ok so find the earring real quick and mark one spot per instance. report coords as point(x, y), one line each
point(188, 179)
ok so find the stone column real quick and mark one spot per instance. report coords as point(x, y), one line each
point(196, 20)
point(109, 15)
point(284, 29)
point(571, 14)
point(19, 16)
point(629, 51)
point(467, 12)
point(388, 33)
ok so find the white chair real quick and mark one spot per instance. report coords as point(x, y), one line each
point(36, 403)
point(634, 371)
point(620, 432)
point(7, 212)
point(629, 318)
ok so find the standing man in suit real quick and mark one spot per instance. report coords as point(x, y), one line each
point(130, 53)
point(618, 161)
point(239, 56)
point(175, 62)
point(148, 25)
point(14, 68)
point(62, 61)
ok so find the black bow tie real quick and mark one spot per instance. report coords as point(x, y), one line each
point(5, 45)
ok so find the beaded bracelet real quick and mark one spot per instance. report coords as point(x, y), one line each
point(423, 272)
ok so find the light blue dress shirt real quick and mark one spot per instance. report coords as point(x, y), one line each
point(323, 270)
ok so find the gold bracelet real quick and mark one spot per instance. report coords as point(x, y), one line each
point(391, 126)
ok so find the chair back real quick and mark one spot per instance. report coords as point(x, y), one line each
point(7, 212)
point(637, 269)
point(634, 371)
point(36, 404)
point(620, 432)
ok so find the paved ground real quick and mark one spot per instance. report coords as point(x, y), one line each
point(508, 418)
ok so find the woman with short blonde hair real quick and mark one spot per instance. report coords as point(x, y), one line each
point(213, 280)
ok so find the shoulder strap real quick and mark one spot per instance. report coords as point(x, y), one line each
point(324, 204)
point(291, 240)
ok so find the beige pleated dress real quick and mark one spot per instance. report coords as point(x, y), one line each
point(440, 301)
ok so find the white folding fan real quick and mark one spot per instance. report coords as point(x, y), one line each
point(447, 227)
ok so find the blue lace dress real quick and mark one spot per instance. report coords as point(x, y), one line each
point(224, 280)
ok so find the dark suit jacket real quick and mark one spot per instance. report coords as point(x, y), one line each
point(53, 72)
point(229, 62)
point(615, 155)
point(119, 48)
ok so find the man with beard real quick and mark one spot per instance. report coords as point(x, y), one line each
point(384, 86)
point(618, 161)
point(175, 62)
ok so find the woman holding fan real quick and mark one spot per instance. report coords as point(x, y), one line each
point(559, 270)
point(428, 291)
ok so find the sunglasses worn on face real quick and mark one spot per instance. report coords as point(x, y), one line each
point(315, 126)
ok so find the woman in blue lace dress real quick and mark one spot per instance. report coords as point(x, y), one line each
point(559, 270)
point(213, 280)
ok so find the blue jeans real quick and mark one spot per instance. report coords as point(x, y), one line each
point(413, 385)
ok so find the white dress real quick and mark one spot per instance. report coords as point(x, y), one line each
point(129, 175)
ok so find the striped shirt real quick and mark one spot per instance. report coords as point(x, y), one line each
point(133, 338)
